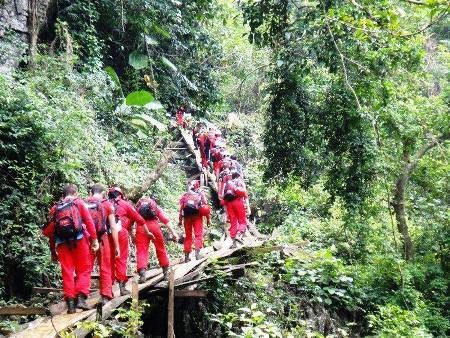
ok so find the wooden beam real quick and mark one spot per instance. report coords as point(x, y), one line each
point(170, 306)
point(192, 293)
point(135, 293)
point(49, 290)
point(22, 311)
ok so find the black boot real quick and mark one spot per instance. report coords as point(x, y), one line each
point(81, 302)
point(186, 257)
point(197, 254)
point(141, 276)
point(122, 289)
point(105, 300)
point(234, 245)
point(70, 305)
point(165, 269)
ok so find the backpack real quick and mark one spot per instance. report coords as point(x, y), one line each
point(98, 216)
point(192, 203)
point(67, 220)
point(229, 192)
point(147, 208)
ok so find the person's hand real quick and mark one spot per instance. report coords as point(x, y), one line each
point(150, 235)
point(175, 237)
point(117, 252)
point(208, 222)
point(248, 211)
point(95, 245)
point(54, 257)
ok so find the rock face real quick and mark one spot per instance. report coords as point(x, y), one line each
point(13, 33)
point(15, 29)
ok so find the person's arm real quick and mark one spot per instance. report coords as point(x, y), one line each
point(134, 215)
point(49, 231)
point(165, 220)
point(180, 214)
point(114, 233)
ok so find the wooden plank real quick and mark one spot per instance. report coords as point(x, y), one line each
point(46, 329)
point(98, 276)
point(22, 311)
point(170, 306)
point(135, 293)
point(49, 290)
point(192, 293)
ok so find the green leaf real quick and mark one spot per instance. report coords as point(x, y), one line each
point(139, 98)
point(113, 75)
point(138, 122)
point(137, 60)
point(169, 64)
point(328, 301)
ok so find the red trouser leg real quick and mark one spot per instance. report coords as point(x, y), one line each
point(121, 262)
point(65, 259)
point(83, 266)
point(104, 262)
point(188, 225)
point(112, 251)
point(160, 247)
point(233, 218)
point(142, 244)
point(198, 232)
point(241, 215)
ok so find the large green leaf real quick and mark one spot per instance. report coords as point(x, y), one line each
point(151, 41)
point(114, 77)
point(169, 64)
point(139, 98)
point(138, 60)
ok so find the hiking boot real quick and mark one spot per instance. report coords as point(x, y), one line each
point(197, 254)
point(234, 245)
point(141, 276)
point(70, 305)
point(165, 270)
point(186, 257)
point(239, 238)
point(105, 300)
point(122, 289)
point(81, 302)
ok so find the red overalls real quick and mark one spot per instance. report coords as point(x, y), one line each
point(236, 212)
point(202, 138)
point(105, 255)
point(75, 260)
point(192, 224)
point(126, 215)
point(143, 241)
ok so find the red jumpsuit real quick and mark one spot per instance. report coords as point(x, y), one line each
point(192, 224)
point(127, 215)
point(236, 212)
point(143, 241)
point(75, 260)
point(202, 141)
point(105, 254)
point(180, 118)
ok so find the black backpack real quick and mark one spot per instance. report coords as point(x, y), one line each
point(98, 216)
point(147, 208)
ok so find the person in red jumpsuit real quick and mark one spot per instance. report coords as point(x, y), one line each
point(126, 215)
point(70, 230)
point(102, 213)
point(203, 144)
point(180, 118)
point(235, 197)
point(195, 202)
point(152, 214)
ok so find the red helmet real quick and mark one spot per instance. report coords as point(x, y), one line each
point(113, 190)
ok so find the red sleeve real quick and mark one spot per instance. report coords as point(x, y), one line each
point(180, 216)
point(161, 216)
point(87, 219)
point(134, 215)
point(49, 230)
point(108, 208)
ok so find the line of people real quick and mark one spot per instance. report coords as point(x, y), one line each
point(83, 233)
point(228, 172)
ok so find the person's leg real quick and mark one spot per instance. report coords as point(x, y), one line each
point(158, 242)
point(231, 213)
point(104, 262)
point(241, 216)
point(83, 266)
point(113, 258)
point(67, 268)
point(121, 262)
point(142, 254)
point(188, 224)
point(198, 232)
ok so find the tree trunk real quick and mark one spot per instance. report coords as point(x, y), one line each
point(401, 181)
